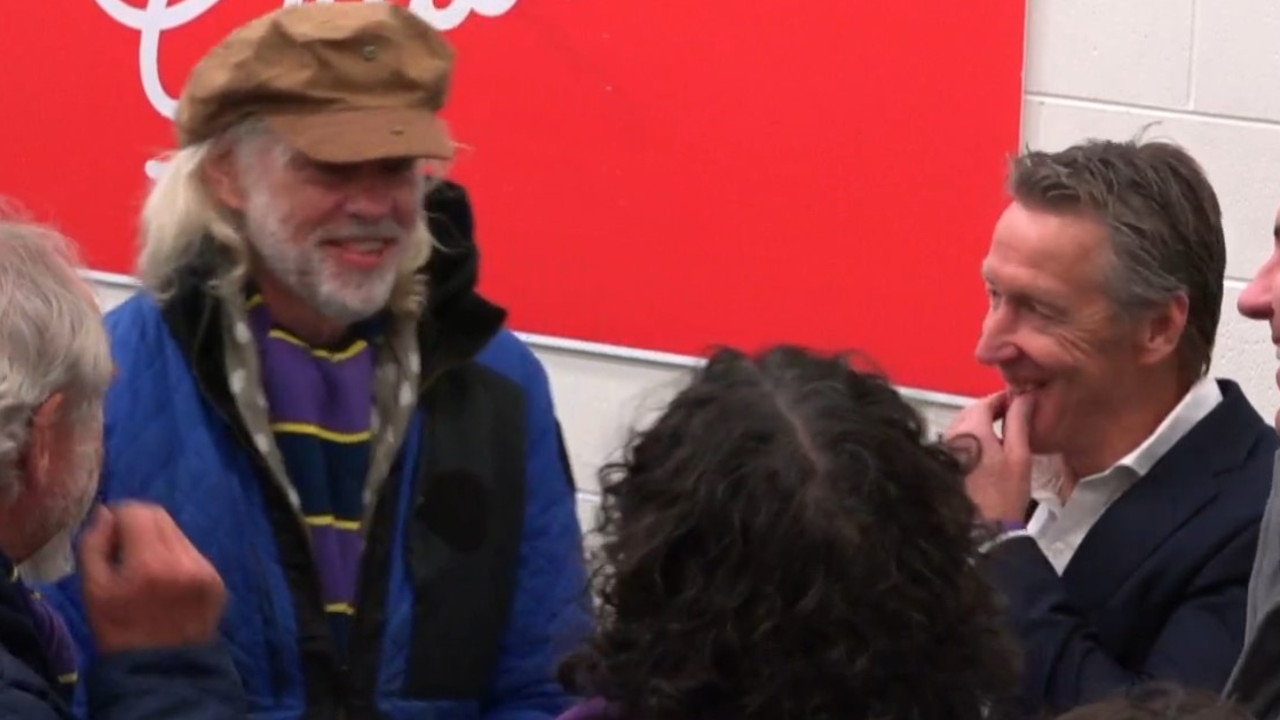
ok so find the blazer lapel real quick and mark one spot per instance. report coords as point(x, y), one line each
point(1174, 490)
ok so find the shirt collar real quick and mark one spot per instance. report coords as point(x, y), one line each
point(1199, 401)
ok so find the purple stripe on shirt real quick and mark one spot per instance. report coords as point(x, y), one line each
point(331, 390)
point(53, 634)
point(344, 403)
point(337, 553)
point(593, 709)
point(335, 395)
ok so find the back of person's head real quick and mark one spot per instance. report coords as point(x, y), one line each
point(51, 335)
point(784, 542)
point(55, 367)
point(1161, 701)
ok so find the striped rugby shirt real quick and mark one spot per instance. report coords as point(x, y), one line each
point(320, 408)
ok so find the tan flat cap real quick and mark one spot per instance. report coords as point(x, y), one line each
point(340, 82)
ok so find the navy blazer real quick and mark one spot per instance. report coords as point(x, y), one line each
point(1157, 589)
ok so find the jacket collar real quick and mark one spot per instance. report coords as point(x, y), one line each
point(18, 635)
point(1184, 480)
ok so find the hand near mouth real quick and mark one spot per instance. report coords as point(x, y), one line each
point(999, 484)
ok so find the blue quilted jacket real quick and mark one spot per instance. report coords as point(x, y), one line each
point(472, 584)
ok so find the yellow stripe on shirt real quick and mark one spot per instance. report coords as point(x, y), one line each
point(327, 520)
point(297, 428)
point(333, 356)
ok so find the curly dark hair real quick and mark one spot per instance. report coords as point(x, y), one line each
point(784, 542)
point(1161, 701)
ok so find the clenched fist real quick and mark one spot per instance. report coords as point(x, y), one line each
point(145, 585)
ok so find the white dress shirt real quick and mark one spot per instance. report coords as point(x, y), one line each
point(1059, 527)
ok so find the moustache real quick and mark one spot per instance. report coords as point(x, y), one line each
point(356, 230)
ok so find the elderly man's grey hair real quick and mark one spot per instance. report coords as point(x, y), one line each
point(51, 338)
point(181, 219)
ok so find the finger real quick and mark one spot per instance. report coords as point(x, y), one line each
point(979, 418)
point(98, 545)
point(141, 531)
point(172, 538)
point(997, 404)
point(988, 409)
point(1017, 431)
point(971, 427)
point(966, 446)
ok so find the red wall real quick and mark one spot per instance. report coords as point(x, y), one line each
point(662, 175)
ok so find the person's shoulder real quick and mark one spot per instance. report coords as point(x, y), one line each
point(1244, 444)
point(1246, 488)
point(24, 694)
point(1236, 410)
point(1242, 447)
point(141, 345)
point(511, 356)
point(137, 315)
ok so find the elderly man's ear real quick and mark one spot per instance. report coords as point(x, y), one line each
point(47, 424)
point(1161, 332)
point(222, 179)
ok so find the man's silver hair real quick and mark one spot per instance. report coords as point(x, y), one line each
point(51, 339)
point(181, 219)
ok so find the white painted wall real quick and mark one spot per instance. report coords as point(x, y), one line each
point(1207, 70)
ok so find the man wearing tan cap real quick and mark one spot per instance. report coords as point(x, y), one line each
point(325, 405)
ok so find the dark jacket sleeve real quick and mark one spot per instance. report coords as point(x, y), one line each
point(1064, 664)
point(24, 695)
point(193, 683)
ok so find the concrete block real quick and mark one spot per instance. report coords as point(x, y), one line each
point(111, 295)
point(588, 507)
point(1242, 161)
point(1236, 59)
point(600, 401)
point(1129, 52)
point(1244, 353)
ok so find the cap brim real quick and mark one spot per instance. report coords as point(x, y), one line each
point(361, 135)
